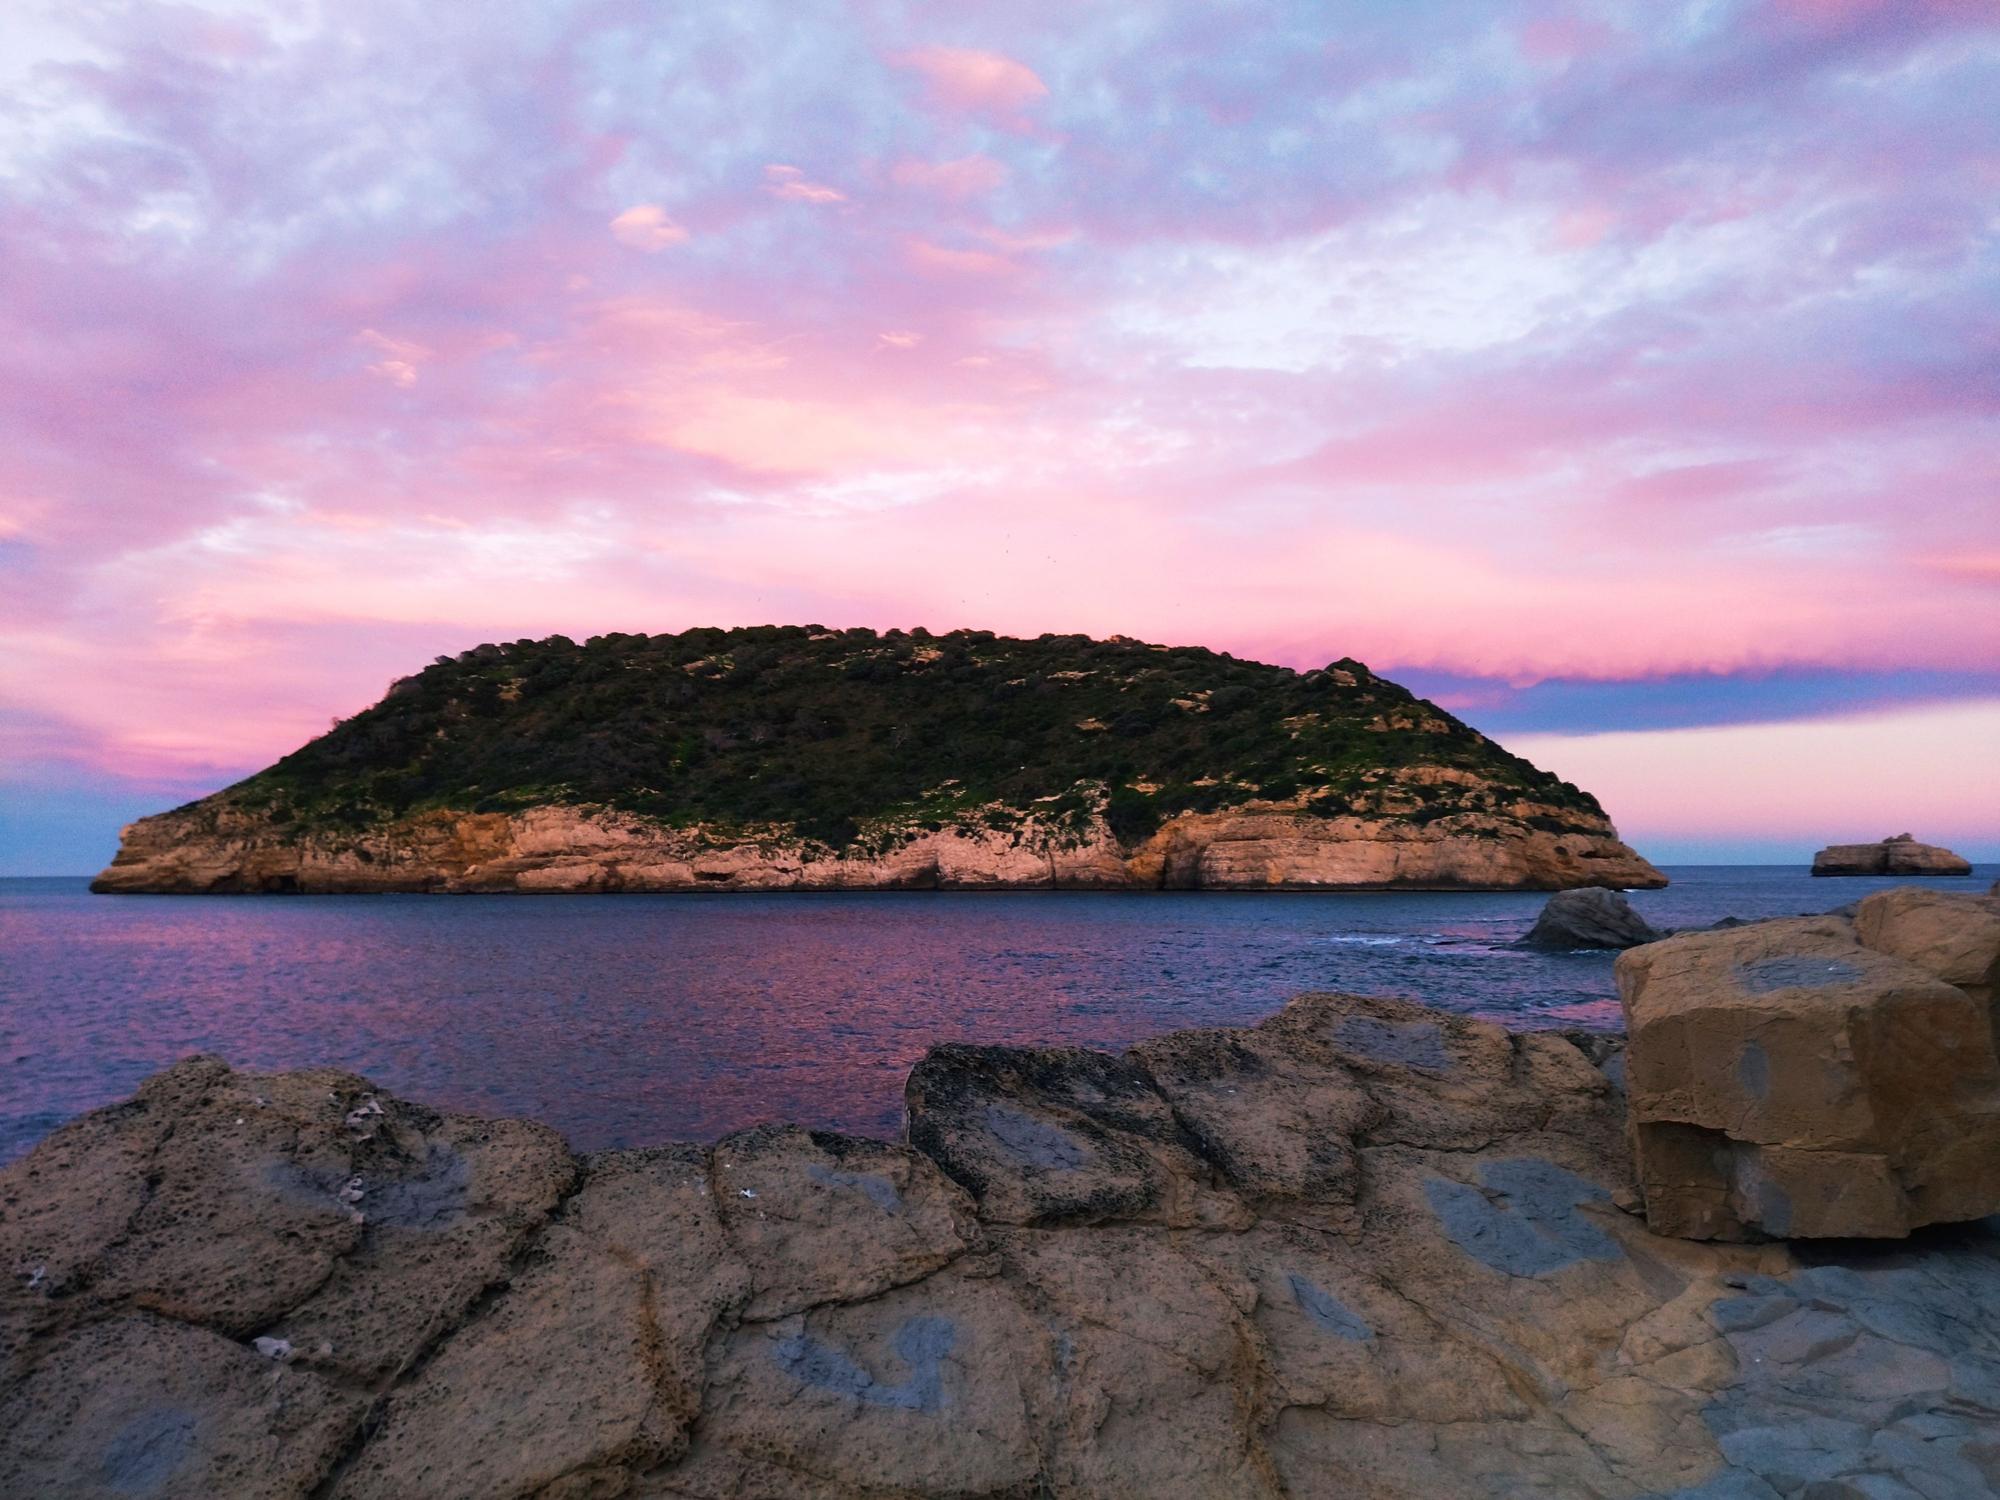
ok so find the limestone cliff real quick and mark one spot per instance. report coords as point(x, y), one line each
point(800, 759)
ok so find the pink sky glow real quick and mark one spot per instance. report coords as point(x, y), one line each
point(1625, 375)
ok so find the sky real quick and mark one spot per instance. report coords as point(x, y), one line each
point(1622, 374)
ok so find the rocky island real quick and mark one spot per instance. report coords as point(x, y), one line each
point(1362, 1251)
point(797, 758)
point(1898, 855)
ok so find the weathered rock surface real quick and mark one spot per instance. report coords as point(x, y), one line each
point(1955, 937)
point(207, 849)
point(1361, 1250)
point(1901, 855)
point(1817, 1077)
point(1590, 918)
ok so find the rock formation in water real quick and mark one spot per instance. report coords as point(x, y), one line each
point(795, 758)
point(1586, 919)
point(1901, 855)
point(1363, 1250)
point(1819, 1076)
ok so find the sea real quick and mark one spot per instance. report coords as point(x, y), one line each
point(639, 1019)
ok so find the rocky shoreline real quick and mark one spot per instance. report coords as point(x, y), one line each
point(1362, 1249)
point(206, 849)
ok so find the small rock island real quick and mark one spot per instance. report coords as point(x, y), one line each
point(799, 758)
point(1900, 855)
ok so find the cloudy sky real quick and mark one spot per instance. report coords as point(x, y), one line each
point(1622, 374)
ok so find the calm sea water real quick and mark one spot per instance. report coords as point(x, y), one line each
point(627, 1020)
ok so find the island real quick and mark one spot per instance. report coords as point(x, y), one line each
point(802, 758)
point(1900, 855)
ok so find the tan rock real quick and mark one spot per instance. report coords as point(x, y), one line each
point(141, 1405)
point(820, 1217)
point(1901, 855)
point(1152, 1367)
point(302, 1206)
point(930, 1389)
point(1061, 1135)
point(445, 1212)
point(1785, 1080)
point(1955, 937)
point(592, 1360)
point(213, 847)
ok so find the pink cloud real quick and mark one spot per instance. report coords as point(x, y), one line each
point(959, 179)
point(645, 226)
point(790, 183)
point(926, 256)
point(963, 78)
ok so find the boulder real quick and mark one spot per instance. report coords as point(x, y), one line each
point(1955, 937)
point(1900, 855)
point(1591, 918)
point(1787, 1081)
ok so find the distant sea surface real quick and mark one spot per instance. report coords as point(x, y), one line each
point(631, 1020)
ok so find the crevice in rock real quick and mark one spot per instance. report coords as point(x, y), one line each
point(442, 1332)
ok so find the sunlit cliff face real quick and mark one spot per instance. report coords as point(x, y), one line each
point(1513, 349)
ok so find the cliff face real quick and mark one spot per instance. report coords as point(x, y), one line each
point(818, 760)
point(592, 849)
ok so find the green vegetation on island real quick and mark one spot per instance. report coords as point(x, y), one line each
point(832, 731)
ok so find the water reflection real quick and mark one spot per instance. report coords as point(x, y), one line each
point(625, 1020)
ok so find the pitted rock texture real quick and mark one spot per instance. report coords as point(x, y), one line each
point(1900, 855)
point(1818, 1077)
point(1361, 1250)
point(1956, 937)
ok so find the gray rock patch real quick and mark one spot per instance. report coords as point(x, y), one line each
point(1411, 1044)
point(878, 1189)
point(1769, 975)
point(433, 1197)
point(921, 1344)
point(1730, 1484)
point(304, 1187)
point(1753, 1070)
point(1327, 1310)
point(1862, 1382)
point(1032, 1142)
point(1524, 1220)
point(145, 1453)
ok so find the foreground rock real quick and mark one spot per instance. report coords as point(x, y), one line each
point(1818, 1077)
point(1361, 1250)
point(1587, 919)
point(1901, 855)
point(1954, 937)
